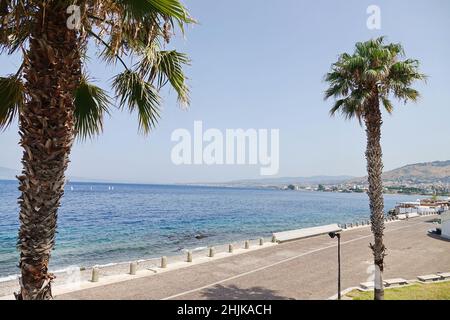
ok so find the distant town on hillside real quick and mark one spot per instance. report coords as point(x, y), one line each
point(429, 178)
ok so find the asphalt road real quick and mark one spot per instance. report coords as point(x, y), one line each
point(303, 269)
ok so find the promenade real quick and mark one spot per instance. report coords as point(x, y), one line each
point(303, 269)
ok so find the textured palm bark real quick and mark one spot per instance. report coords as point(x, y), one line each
point(52, 72)
point(373, 123)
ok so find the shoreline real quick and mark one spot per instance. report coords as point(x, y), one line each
point(75, 274)
point(246, 264)
point(111, 267)
point(225, 186)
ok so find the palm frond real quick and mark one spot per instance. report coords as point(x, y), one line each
point(406, 72)
point(138, 95)
point(372, 71)
point(406, 94)
point(167, 8)
point(171, 8)
point(168, 67)
point(338, 89)
point(91, 104)
point(15, 24)
point(388, 106)
point(11, 99)
point(125, 30)
point(108, 54)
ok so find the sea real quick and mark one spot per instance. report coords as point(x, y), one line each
point(104, 223)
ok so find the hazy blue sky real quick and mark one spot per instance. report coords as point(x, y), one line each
point(260, 64)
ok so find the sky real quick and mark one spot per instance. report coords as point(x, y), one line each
point(260, 64)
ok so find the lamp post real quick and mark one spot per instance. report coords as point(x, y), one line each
point(338, 235)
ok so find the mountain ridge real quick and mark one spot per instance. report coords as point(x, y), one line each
point(434, 172)
point(416, 173)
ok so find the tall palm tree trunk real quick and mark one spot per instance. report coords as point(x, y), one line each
point(373, 122)
point(52, 72)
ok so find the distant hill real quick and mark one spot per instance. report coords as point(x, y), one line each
point(277, 182)
point(419, 173)
point(428, 172)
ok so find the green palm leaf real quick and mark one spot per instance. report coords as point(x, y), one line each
point(373, 71)
point(168, 67)
point(91, 104)
point(168, 8)
point(138, 95)
point(11, 99)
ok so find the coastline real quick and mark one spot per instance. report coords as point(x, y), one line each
point(76, 274)
point(144, 232)
point(219, 186)
point(203, 278)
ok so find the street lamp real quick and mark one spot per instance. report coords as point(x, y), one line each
point(338, 235)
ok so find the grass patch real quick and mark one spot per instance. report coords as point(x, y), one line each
point(419, 291)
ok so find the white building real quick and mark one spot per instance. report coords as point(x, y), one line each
point(421, 207)
point(445, 224)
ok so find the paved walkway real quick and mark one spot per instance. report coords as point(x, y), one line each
point(303, 269)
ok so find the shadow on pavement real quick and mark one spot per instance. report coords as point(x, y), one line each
point(437, 237)
point(232, 292)
point(433, 220)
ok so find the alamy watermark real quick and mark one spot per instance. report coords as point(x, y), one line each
point(74, 20)
point(232, 147)
point(374, 19)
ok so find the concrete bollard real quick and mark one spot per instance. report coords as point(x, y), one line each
point(164, 262)
point(247, 244)
point(230, 248)
point(95, 275)
point(274, 239)
point(189, 256)
point(211, 252)
point(261, 241)
point(133, 268)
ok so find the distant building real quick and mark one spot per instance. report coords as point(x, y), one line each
point(422, 207)
point(445, 225)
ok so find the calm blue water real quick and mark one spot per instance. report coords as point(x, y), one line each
point(100, 226)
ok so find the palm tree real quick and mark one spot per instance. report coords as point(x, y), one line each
point(55, 101)
point(361, 82)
